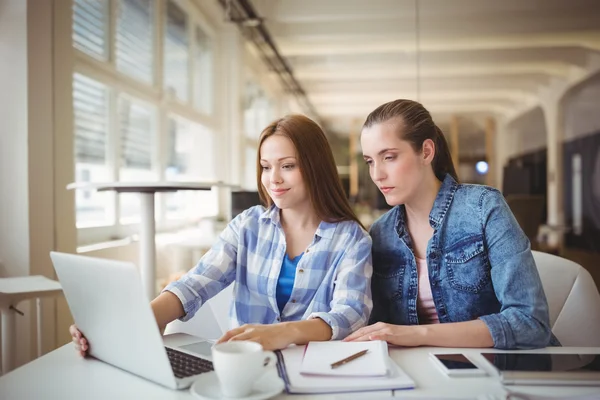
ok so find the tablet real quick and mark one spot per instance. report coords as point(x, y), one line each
point(547, 369)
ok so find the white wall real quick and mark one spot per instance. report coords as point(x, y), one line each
point(14, 200)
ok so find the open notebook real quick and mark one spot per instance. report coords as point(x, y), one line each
point(319, 356)
point(289, 366)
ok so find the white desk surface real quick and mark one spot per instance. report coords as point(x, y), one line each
point(62, 374)
point(27, 287)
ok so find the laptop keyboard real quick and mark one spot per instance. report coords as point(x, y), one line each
point(185, 365)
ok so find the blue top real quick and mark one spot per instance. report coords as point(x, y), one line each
point(480, 267)
point(333, 279)
point(285, 283)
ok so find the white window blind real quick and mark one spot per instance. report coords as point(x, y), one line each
point(135, 39)
point(137, 145)
point(90, 27)
point(91, 122)
point(137, 136)
point(203, 68)
point(176, 52)
point(90, 107)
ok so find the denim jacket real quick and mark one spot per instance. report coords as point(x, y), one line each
point(480, 266)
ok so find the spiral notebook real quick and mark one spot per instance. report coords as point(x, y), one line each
point(289, 366)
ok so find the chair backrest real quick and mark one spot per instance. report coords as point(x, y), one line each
point(573, 300)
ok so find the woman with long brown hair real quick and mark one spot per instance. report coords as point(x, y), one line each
point(301, 266)
point(451, 266)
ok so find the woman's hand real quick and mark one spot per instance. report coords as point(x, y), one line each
point(399, 335)
point(80, 342)
point(271, 337)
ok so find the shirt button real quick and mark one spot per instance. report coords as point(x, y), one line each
point(293, 300)
point(300, 270)
point(307, 250)
point(278, 319)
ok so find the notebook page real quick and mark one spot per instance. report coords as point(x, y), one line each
point(320, 355)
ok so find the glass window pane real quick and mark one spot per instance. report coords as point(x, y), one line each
point(250, 168)
point(258, 110)
point(176, 52)
point(190, 158)
point(203, 78)
point(137, 145)
point(90, 27)
point(135, 39)
point(91, 121)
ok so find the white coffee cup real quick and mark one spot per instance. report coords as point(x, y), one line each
point(239, 364)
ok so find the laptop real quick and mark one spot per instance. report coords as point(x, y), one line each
point(111, 310)
point(547, 369)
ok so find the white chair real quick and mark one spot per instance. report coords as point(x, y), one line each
point(573, 300)
point(212, 319)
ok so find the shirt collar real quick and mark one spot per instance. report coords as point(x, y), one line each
point(325, 229)
point(271, 214)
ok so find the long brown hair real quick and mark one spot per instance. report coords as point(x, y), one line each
point(317, 166)
point(415, 125)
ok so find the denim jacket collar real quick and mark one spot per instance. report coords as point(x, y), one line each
point(442, 201)
point(440, 206)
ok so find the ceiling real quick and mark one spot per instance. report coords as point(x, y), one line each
point(470, 58)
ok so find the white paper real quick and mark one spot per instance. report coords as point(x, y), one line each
point(320, 355)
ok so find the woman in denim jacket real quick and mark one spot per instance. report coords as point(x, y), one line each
point(451, 265)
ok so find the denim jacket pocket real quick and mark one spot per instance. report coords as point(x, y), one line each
point(387, 282)
point(467, 265)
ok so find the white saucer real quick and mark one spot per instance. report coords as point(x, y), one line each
point(207, 387)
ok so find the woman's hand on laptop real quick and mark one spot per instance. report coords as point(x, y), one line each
point(80, 342)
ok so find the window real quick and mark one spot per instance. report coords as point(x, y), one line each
point(190, 159)
point(127, 127)
point(137, 160)
point(90, 109)
point(90, 27)
point(134, 39)
point(258, 113)
point(577, 194)
point(250, 168)
point(176, 52)
point(203, 61)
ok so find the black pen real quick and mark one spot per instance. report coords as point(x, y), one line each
point(348, 359)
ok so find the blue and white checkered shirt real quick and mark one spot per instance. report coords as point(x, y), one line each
point(333, 278)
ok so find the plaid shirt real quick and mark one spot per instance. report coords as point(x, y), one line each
point(333, 278)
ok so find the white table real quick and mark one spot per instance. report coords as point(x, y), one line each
point(62, 374)
point(13, 291)
point(146, 190)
